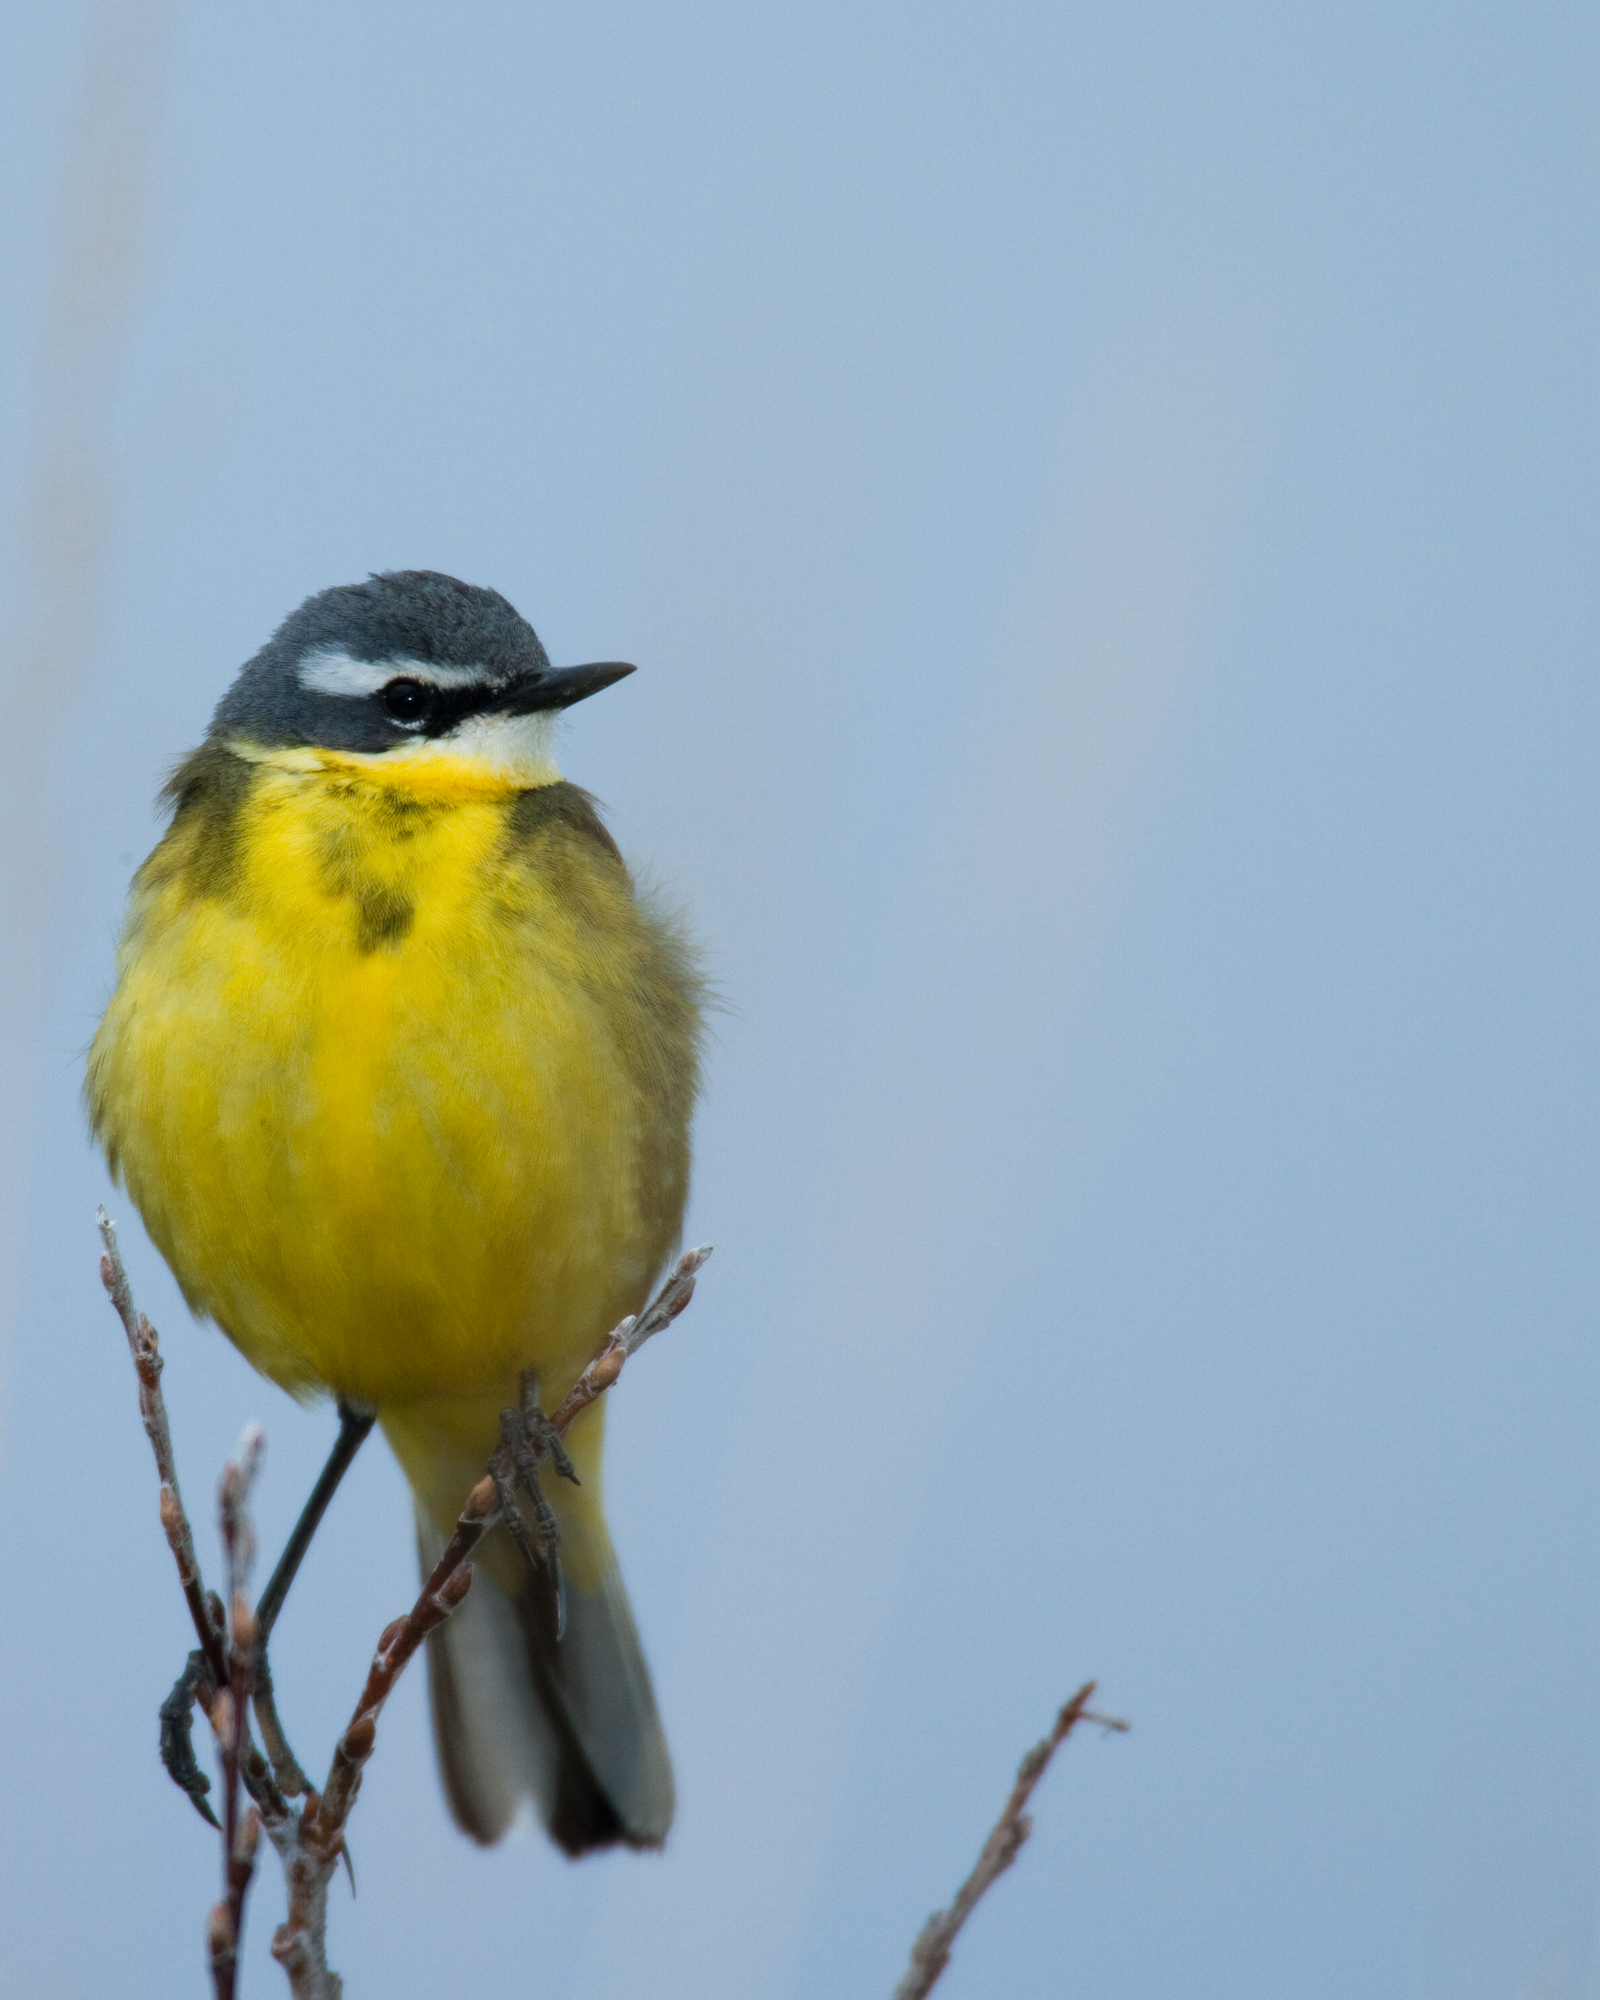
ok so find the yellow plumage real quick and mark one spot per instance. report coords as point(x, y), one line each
point(399, 1072)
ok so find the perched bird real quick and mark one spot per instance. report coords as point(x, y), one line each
point(399, 1072)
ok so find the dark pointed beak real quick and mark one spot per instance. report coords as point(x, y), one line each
point(559, 687)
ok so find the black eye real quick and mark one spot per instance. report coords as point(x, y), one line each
point(408, 701)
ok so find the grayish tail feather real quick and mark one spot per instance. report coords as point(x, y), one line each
point(569, 1724)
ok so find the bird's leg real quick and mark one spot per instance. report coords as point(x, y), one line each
point(525, 1470)
point(541, 1433)
point(516, 1465)
point(526, 1436)
point(354, 1426)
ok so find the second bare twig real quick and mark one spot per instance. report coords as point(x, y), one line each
point(230, 1711)
point(931, 1952)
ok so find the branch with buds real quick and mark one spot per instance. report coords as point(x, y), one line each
point(308, 1833)
point(308, 1836)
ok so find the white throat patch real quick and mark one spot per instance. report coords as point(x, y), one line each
point(519, 747)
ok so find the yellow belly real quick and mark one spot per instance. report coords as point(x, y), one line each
point(380, 1083)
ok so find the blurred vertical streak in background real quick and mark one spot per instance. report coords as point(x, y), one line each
point(63, 530)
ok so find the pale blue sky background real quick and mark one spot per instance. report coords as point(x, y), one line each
point(1103, 499)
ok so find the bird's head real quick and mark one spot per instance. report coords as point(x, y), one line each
point(408, 667)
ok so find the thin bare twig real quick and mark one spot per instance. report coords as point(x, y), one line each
point(230, 1711)
point(209, 1669)
point(285, 1765)
point(931, 1952)
point(219, 1671)
point(146, 1352)
point(630, 1336)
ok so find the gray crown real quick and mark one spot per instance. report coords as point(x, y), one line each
point(410, 615)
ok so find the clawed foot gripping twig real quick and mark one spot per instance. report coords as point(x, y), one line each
point(228, 1666)
point(526, 1436)
point(177, 1734)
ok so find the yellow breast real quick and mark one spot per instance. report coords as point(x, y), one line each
point(398, 1073)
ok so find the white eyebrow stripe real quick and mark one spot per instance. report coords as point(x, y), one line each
point(331, 671)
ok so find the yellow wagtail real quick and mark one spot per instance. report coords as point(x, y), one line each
point(399, 1071)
